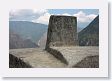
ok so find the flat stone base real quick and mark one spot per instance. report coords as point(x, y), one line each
point(74, 54)
point(62, 57)
point(37, 58)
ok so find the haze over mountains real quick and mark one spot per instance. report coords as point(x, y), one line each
point(28, 30)
point(15, 42)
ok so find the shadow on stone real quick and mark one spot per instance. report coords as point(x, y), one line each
point(15, 62)
point(57, 54)
point(88, 62)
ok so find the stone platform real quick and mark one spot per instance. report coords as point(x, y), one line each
point(39, 58)
point(75, 54)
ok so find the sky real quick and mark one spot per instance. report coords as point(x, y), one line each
point(84, 16)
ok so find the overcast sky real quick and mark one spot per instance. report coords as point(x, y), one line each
point(84, 16)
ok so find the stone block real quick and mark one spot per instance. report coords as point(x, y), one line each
point(62, 31)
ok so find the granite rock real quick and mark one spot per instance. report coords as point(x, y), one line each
point(62, 31)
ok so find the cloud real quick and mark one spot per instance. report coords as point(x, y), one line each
point(66, 14)
point(44, 19)
point(42, 16)
point(25, 14)
point(41, 11)
point(83, 17)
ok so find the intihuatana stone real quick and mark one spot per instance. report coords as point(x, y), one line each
point(61, 49)
point(62, 31)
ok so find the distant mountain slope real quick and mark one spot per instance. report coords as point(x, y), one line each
point(89, 36)
point(28, 30)
point(79, 29)
point(15, 41)
point(42, 41)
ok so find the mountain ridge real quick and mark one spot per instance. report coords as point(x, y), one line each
point(15, 42)
point(89, 36)
point(28, 30)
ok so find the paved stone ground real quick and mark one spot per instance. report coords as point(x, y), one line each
point(39, 58)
